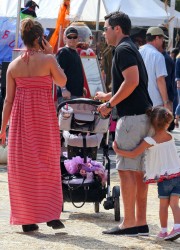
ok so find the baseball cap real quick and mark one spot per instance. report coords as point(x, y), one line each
point(155, 31)
point(71, 31)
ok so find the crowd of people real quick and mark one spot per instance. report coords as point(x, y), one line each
point(142, 94)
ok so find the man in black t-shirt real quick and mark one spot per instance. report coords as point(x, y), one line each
point(131, 98)
point(70, 62)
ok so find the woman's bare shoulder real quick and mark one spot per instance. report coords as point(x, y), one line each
point(13, 66)
point(50, 57)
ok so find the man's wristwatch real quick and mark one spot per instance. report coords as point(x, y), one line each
point(166, 102)
point(108, 105)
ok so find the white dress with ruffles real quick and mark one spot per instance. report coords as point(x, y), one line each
point(161, 161)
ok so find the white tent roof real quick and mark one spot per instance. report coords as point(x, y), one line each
point(47, 12)
point(176, 13)
point(141, 12)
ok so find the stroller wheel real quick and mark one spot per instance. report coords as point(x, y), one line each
point(116, 194)
point(96, 207)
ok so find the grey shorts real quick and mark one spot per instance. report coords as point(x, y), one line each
point(130, 130)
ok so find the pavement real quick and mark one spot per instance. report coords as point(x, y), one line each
point(83, 227)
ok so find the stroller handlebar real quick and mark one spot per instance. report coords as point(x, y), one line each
point(79, 100)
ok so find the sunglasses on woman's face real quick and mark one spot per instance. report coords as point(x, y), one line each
point(72, 37)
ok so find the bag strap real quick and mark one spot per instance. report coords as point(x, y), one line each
point(83, 202)
point(71, 189)
point(84, 148)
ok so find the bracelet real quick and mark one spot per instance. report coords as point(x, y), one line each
point(63, 89)
point(166, 102)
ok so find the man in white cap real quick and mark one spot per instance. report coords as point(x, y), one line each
point(156, 67)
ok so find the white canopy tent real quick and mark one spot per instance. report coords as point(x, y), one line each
point(175, 13)
point(142, 13)
point(47, 12)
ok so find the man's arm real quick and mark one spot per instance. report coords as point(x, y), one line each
point(131, 81)
point(102, 96)
point(161, 73)
point(163, 91)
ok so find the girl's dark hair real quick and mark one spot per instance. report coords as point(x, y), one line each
point(159, 117)
point(30, 30)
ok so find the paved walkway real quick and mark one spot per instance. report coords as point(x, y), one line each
point(83, 226)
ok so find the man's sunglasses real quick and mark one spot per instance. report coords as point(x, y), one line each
point(106, 28)
point(72, 37)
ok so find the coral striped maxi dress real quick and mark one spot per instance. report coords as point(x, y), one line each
point(34, 153)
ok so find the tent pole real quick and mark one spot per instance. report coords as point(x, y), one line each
point(17, 24)
point(98, 14)
point(106, 9)
point(171, 25)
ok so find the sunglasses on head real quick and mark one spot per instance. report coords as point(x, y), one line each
point(72, 37)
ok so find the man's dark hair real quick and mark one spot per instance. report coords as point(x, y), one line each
point(119, 18)
point(150, 38)
point(175, 51)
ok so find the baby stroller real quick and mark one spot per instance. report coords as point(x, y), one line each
point(83, 178)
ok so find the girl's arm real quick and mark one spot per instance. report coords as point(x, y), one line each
point(133, 153)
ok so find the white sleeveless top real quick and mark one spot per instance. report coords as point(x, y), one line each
point(161, 161)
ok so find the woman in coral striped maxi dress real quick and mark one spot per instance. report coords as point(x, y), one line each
point(33, 144)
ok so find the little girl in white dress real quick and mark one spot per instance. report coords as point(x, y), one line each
point(162, 165)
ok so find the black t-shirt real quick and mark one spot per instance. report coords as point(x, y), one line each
point(70, 62)
point(125, 56)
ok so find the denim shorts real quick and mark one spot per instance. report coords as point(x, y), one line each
point(170, 187)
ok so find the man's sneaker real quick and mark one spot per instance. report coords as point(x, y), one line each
point(173, 235)
point(162, 235)
point(143, 230)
